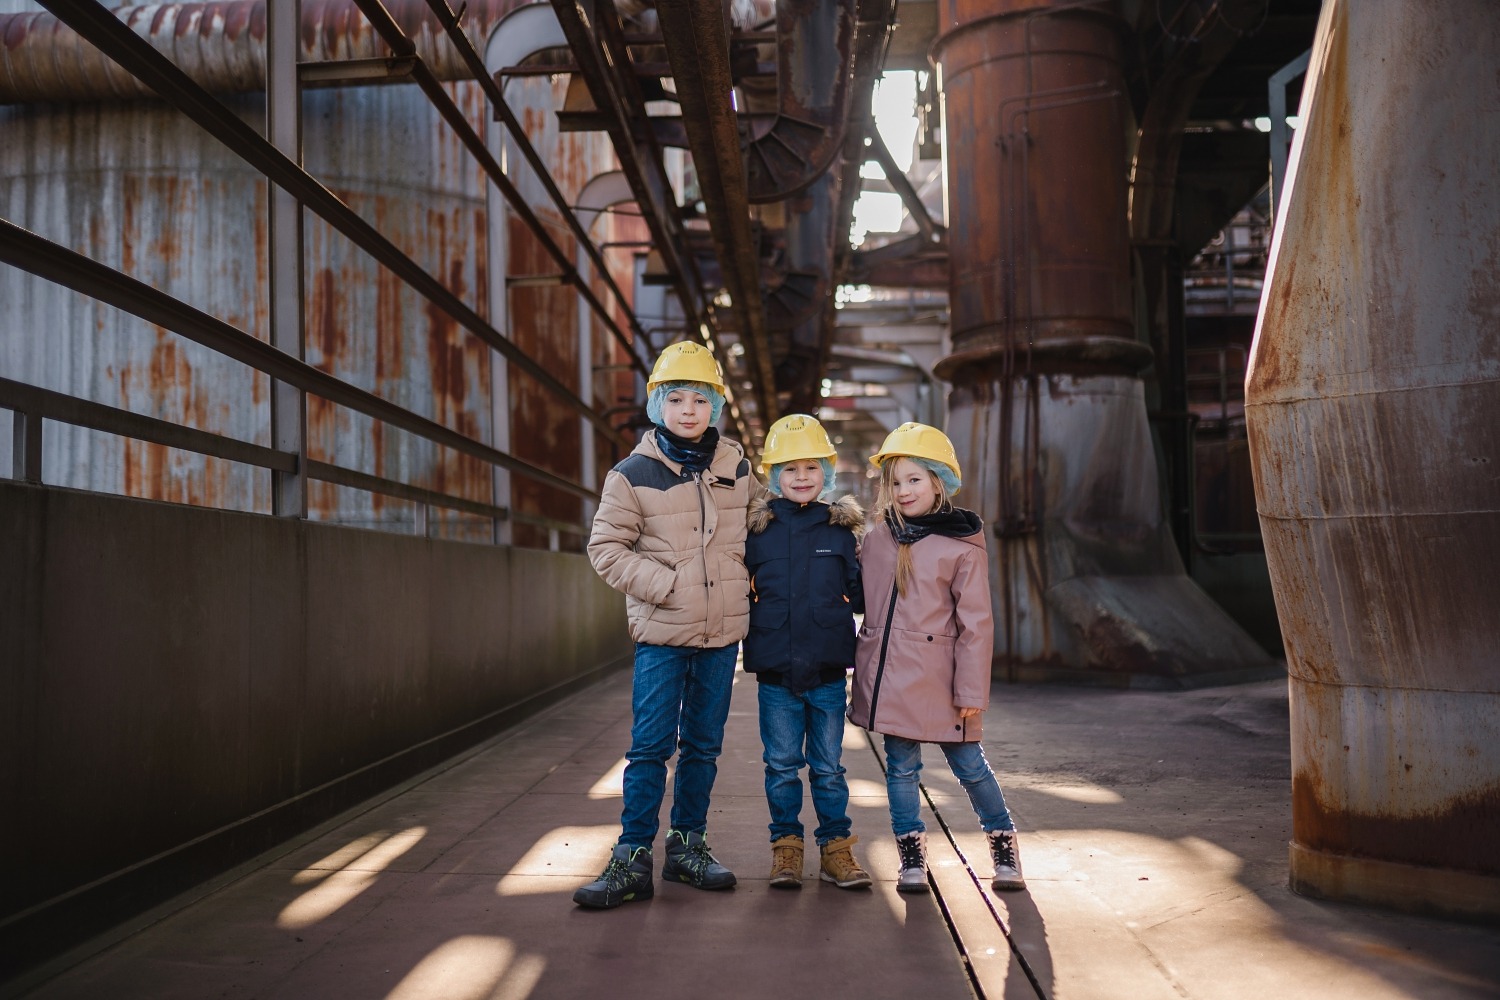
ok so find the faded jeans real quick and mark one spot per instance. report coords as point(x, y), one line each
point(903, 768)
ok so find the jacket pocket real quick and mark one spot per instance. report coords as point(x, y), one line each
point(768, 614)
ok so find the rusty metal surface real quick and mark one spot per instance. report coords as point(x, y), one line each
point(1034, 132)
point(220, 44)
point(1047, 412)
point(1089, 584)
point(1373, 403)
point(815, 52)
point(183, 214)
point(696, 37)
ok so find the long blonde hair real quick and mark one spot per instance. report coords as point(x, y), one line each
point(887, 508)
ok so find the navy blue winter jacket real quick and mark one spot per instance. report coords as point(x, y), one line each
point(804, 590)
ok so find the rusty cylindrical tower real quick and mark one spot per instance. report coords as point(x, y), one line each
point(1047, 409)
point(1373, 410)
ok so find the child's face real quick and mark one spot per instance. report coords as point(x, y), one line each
point(686, 413)
point(802, 480)
point(913, 488)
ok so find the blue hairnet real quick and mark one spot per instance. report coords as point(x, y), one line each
point(951, 483)
point(828, 482)
point(659, 395)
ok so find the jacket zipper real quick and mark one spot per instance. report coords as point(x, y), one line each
point(703, 542)
point(885, 640)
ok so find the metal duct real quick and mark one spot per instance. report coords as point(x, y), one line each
point(815, 43)
point(1047, 409)
point(220, 44)
point(1373, 409)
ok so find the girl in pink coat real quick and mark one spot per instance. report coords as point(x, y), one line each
point(922, 660)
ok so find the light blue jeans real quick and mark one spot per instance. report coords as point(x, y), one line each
point(679, 701)
point(805, 730)
point(903, 769)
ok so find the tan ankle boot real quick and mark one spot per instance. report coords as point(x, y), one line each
point(839, 866)
point(786, 863)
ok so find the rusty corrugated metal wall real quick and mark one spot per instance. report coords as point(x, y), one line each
point(132, 184)
point(1373, 408)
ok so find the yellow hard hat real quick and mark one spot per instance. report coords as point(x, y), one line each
point(916, 440)
point(792, 438)
point(687, 362)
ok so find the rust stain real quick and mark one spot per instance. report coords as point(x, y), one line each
point(544, 324)
point(1460, 834)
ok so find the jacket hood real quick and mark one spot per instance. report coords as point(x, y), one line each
point(845, 512)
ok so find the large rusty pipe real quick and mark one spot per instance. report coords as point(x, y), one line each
point(1033, 102)
point(219, 44)
point(1373, 409)
point(1047, 409)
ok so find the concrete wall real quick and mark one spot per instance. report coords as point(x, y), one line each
point(181, 688)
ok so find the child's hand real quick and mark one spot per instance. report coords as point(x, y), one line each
point(968, 713)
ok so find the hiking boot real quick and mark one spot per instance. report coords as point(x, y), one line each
point(1007, 857)
point(786, 863)
point(839, 866)
point(626, 879)
point(688, 861)
point(913, 849)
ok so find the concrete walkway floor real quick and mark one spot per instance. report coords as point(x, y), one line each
point(1154, 841)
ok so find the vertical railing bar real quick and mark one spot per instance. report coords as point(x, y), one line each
point(284, 129)
point(26, 451)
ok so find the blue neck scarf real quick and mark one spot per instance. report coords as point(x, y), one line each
point(693, 456)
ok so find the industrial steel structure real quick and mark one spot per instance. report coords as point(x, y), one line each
point(402, 265)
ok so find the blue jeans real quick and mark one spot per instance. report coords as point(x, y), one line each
point(679, 701)
point(903, 767)
point(800, 730)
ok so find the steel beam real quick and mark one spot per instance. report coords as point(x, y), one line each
point(696, 36)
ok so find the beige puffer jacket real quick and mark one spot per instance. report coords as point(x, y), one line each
point(674, 544)
point(917, 664)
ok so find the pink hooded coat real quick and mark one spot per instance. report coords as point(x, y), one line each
point(937, 657)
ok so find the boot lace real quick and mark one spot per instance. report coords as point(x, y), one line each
point(696, 858)
point(1003, 850)
point(911, 852)
point(784, 857)
point(616, 873)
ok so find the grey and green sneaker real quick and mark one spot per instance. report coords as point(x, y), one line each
point(626, 879)
point(689, 861)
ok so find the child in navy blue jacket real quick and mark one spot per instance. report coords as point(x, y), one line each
point(804, 591)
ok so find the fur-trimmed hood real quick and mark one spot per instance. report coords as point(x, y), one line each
point(845, 512)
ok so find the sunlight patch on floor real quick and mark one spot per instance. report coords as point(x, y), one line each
point(563, 841)
point(472, 967)
point(612, 784)
point(341, 887)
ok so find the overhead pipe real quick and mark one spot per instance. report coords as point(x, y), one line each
point(818, 221)
point(815, 43)
point(696, 36)
point(219, 44)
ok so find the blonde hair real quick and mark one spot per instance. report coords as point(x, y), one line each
point(887, 508)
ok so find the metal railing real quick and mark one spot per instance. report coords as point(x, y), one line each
point(32, 253)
